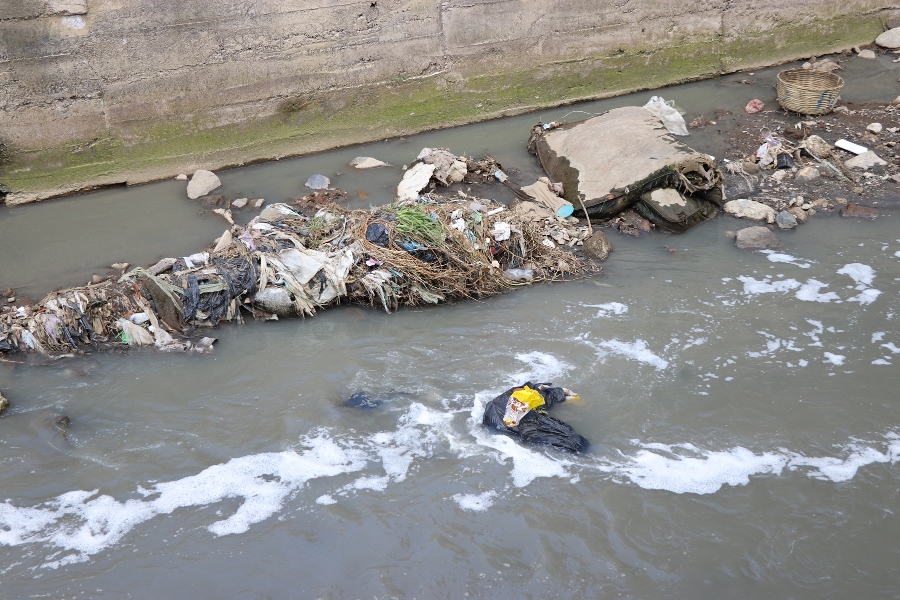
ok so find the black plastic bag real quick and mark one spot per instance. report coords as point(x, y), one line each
point(377, 234)
point(536, 427)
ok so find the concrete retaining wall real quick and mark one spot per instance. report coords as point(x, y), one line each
point(94, 92)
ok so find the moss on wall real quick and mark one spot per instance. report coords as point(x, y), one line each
point(305, 125)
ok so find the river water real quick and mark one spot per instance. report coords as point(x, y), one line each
point(742, 408)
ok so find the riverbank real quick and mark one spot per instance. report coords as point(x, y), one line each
point(144, 149)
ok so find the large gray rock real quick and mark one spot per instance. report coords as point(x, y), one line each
point(318, 182)
point(867, 54)
point(785, 220)
point(865, 160)
point(202, 183)
point(889, 39)
point(756, 238)
point(596, 247)
point(275, 300)
point(750, 209)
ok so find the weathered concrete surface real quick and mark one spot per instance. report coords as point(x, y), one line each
point(102, 91)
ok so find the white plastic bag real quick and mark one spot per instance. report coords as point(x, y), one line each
point(668, 114)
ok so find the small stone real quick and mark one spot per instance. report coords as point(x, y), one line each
point(4, 404)
point(120, 266)
point(785, 220)
point(756, 238)
point(841, 201)
point(806, 206)
point(865, 160)
point(213, 200)
point(367, 162)
point(318, 182)
point(798, 214)
point(162, 266)
point(854, 210)
point(820, 203)
point(240, 203)
point(96, 279)
point(874, 128)
point(869, 139)
point(867, 54)
point(181, 177)
point(226, 214)
point(596, 247)
point(896, 100)
point(807, 174)
point(11, 299)
point(750, 209)
point(889, 39)
point(811, 212)
point(202, 183)
point(778, 176)
point(751, 168)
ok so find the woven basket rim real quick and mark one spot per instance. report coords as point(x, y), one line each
point(836, 81)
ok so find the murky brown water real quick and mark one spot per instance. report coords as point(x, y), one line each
point(742, 407)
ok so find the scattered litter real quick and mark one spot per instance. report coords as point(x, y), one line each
point(668, 114)
point(754, 106)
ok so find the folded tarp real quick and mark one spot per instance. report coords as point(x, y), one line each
point(616, 160)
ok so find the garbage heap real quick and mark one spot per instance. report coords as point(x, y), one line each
point(284, 264)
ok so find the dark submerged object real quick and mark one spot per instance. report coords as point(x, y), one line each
point(363, 400)
point(536, 427)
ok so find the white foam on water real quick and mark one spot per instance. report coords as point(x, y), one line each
point(326, 499)
point(858, 272)
point(835, 359)
point(890, 346)
point(779, 257)
point(636, 350)
point(610, 308)
point(80, 524)
point(475, 502)
point(881, 361)
point(540, 367)
point(528, 463)
point(878, 336)
point(754, 287)
point(809, 292)
point(685, 469)
point(866, 296)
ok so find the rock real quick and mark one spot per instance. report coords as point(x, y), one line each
point(162, 266)
point(596, 247)
point(181, 177)
point(240, 203)
point(896, 100)
point(778, 176)
point(870, 138)
point(892, 23)
point(841, 201)
point(874, 128)
point(367, 162)
point(224, 241)
point(798, 214)
point(867, 54)
point(257, 203)
point(751, 168)
point(785, 220)
point(819, 203)
point(754, 106)
point(4, 404)
point(202, 183)
point(864, 161)
point(750, 209)
point(414, 181)
point(756, 238)
point(213, 200)
point(318, 182)
point(854, 210)
point(889, 39)
point(807, 174)
point(96, 279)
point(275, 300)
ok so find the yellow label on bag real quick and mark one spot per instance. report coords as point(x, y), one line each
point(529, 397)
point(520, 403)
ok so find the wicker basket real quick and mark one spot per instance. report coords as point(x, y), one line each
point(808, 92)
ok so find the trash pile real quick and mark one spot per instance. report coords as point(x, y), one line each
point(439, 166)
point(522, 411)
point(286, 264)
point(665, 181)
